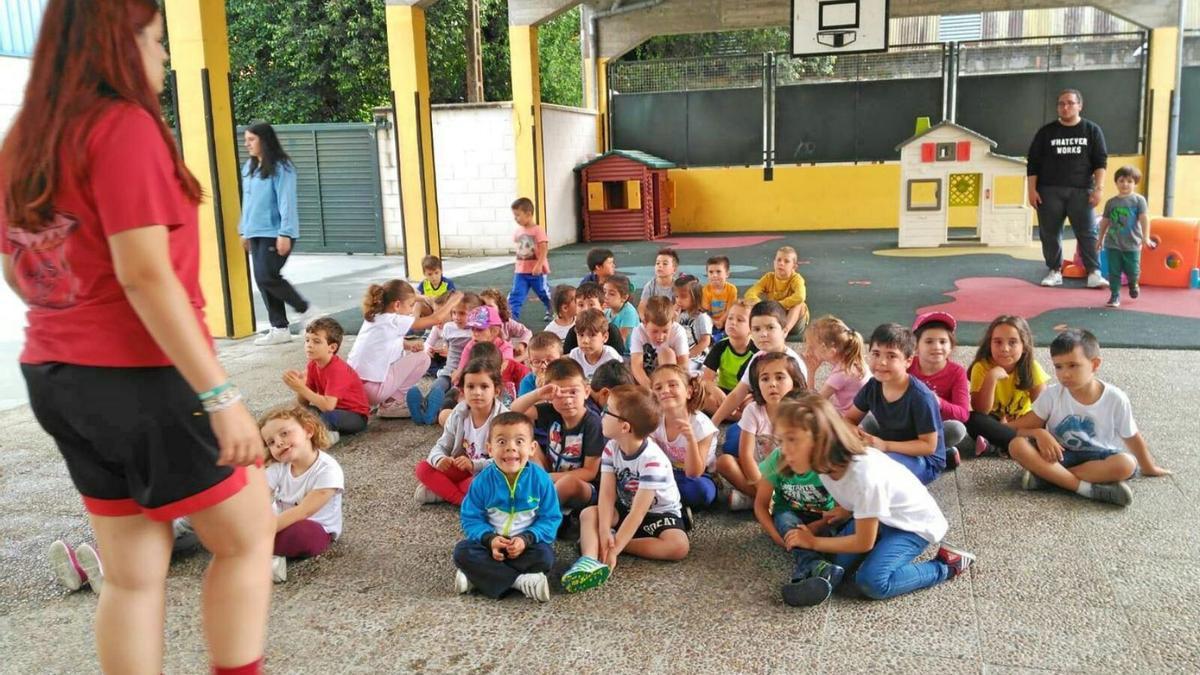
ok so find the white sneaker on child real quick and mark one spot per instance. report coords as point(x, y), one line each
point(334, 437)
point(278, 569)
point(394, 409)
point(423, 495)
point(534, 586)
point(461, 583)
point(739, 501)
point(66, 567)
point(89, 560)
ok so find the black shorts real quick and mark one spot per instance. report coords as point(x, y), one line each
point(135, 440)
point(653, 524)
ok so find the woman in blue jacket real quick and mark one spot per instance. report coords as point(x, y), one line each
point(269, 226)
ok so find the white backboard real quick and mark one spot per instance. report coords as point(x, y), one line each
point(821, 27)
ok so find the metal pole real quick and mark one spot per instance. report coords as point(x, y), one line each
point(1173, 126)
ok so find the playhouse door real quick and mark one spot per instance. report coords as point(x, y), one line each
point(963, 212)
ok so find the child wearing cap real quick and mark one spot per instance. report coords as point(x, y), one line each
point(484, 323)
point(945, 378)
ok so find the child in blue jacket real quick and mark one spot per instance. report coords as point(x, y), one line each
point(510, 516)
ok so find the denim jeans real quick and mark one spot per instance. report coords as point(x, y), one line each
point(785, 521)
point(522, 283)
point(888, 570)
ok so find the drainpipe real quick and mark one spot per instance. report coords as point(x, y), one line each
point(1173, 126)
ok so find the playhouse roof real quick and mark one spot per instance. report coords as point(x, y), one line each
point(634, 155)
point(970, 132)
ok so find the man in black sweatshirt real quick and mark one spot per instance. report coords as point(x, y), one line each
point(1067, 160)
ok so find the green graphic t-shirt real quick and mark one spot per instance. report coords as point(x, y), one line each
point(802, 493)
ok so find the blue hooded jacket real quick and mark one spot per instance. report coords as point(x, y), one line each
point(529, 506)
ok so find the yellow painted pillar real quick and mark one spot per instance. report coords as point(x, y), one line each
point(602, 139)
point(1160, 82)
point(408, 67)
point(200, 50)
point(527, 117)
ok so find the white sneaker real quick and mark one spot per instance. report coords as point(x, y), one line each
point(534, 586)
point(1094, 280)
point(274, 336)
point(739, 501)
point(424, 495)
point(89, 560)
point(278, 569)
point(1053, 278)
point(394, 409)
point(334, 437)
point(461, 583)
point(66, 568)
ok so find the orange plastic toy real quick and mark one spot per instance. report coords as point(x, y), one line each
point(1170, 264)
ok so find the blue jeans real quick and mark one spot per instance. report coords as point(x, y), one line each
point(733, 437)
point(698, 491)
point(888, 569)
point(342, 421)
point(493, 577)
point(522, 283)
point(785, 521)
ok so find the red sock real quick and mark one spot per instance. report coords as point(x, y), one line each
point(252, 668)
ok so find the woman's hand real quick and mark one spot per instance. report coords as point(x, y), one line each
point(237, 435)
point(246, 244)
point(283, 245)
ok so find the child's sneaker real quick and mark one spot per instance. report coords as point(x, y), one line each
point(461, 583)
point(334, 437)
point(278, 569)
point(66, 568)
point(568, 530)
point(547, 318)
point(587, 572)
point(807, 592)
point(416, 405)
point(424, 495)
point(1113, 302)
point(1135, 291)
point(739, 501)
point(89, 560)
point(1117, 493)
point(956, 559)
point(688, 518)
point(953, 458)
point(1031, 481)
point(393, 409)
point(534, 586)
point(829, 572)
point(185, 535)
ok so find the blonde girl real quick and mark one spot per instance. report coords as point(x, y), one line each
point(829, 340)
point(306, 485)
point(387, 368)
point(686, 434)
point(894, 517)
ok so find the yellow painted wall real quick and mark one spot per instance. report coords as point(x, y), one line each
point(1187, 196)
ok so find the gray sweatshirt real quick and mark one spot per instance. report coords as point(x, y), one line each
point(451, 442)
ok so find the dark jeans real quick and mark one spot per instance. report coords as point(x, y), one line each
point(1069, 203)
point(275, 290)
point(343, 421)
point(493, 577)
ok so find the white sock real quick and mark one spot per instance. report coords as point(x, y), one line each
point(1084, 489)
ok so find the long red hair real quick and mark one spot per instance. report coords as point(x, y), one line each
point(86, 58)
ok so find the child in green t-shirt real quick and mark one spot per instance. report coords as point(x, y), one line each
point(786, 500)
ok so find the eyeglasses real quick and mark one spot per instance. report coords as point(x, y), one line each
point(539, 363)
point(606, 411)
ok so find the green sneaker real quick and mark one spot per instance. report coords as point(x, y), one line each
point(586, 573)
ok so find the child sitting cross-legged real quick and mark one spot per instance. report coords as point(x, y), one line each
point(447, 342)
point(830, 340)
point(513, 331)
point(666, 268)
point(686, 434)
point(306, 484)
point(657, 340)
point(894, 517)
point(783, 285)
point(486, 327)
point(330, 386)
point(945, 378)
point(590, 296)
point(510, 517)
point(767, 319)
point(591, 330)
point(565, 309)
point(728, 358)
point(718, 294)
point(1084, 439)
point(573, 432)
point(620, 312)
point(638, 496)
point(461, 452)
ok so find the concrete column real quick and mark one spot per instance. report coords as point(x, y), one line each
point(200, 59)
point(408, 68)
point(1160, 82)
point(527, 117)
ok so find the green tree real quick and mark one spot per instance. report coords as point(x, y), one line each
point(559, 60)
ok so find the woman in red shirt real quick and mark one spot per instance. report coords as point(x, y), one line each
point(98, 235)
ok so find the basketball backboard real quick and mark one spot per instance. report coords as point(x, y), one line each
point(821, 27)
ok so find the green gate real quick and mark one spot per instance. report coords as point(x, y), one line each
point(337, 185)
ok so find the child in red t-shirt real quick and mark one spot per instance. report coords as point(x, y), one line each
point(330, 386)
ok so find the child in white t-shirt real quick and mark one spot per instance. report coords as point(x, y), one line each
point(696, 323)
point(1086, 439)
point(563, 299)
point(306, 485)
point(894, 517)
point(658, 339)
point(686, 434)
point(591, 331)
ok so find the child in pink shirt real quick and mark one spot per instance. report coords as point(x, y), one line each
point(830, 340)
point(947, 379)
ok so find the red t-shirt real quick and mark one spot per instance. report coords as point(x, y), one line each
point(338, 379)
point(952, 389)
point(121, 178)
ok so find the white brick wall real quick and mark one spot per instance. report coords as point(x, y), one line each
point(14, 73)
point(569, 136)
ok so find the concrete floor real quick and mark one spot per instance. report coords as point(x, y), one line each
point(1062, 584)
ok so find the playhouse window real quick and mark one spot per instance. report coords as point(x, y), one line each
point(946, 152)
point(925, 194)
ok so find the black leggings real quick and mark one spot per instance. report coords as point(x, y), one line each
point(996, 432)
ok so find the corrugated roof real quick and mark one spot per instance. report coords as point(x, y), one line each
point(635, 155)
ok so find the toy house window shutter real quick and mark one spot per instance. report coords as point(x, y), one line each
point(928, 152)
point(964, 151)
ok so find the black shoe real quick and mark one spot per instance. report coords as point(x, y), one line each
point(687, 519)
point(953, 458)
point(569, 529)
point(1134, 291)
point(807, 592)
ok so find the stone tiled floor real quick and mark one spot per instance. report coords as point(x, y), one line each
point(1062, 584)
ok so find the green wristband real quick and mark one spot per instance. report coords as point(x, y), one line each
point(215, 391)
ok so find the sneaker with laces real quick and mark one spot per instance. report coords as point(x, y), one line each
point(587, 572)
point(829, 572)
point(1118, 493)
point(393, 409)
point(1053, 278)
point(1031, 481)
point(534, 586)
point(956, 559)
point(461, 583)
point(1113, 302)
point(66, 568)
point(808, 592)
point(739, 501)
point(423, 495)
point(274, 336)
point(278, 569)
point(1096, 280)
point(89, 560)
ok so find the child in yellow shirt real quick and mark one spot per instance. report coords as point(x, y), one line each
point(718, 293)
point(785, 286)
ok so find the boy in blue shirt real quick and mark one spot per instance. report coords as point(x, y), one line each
point(906, 421)
point(510, 517)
